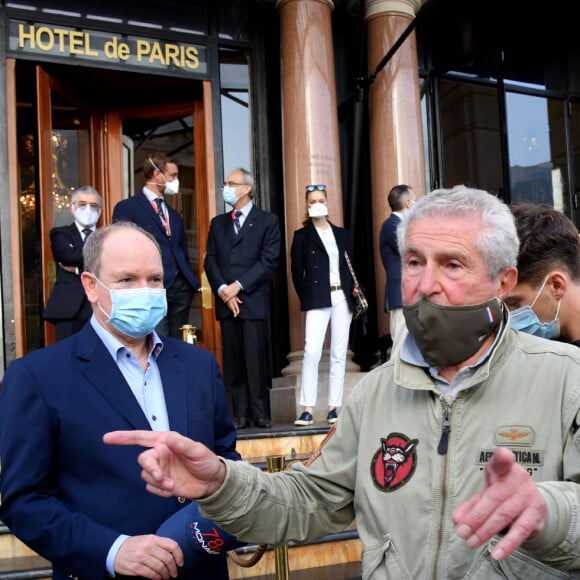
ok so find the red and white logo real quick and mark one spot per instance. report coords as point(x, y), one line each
point(394, 463)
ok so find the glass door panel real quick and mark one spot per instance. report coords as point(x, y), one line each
point(169, 130)
point(537, 150)
point(66, 153)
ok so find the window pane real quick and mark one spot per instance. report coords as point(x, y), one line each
point(235, 105)
point(470, 136)
point(537, 150)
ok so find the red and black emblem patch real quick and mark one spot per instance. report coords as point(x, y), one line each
point(394, 463)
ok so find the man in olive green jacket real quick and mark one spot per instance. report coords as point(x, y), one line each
point(458, 459)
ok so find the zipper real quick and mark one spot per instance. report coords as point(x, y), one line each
point(446, 429)
point(442, 451)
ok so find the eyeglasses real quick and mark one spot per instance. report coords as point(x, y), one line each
point(232, 184)
point(319, 187)
point(84, 204)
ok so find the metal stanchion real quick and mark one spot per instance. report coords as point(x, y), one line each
point(189, 333)
point(276, 463)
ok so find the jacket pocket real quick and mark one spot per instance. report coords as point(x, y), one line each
point(518, 566)
point(383, 561)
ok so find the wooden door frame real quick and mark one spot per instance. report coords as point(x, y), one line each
point(45, 85)
point(204, 185)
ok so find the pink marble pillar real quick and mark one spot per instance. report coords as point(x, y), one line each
point(310, 125)
point(396, 139)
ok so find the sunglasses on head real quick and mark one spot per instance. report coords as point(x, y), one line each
point(319, 187)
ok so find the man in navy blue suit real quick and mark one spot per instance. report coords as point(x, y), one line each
point(149, 210)
point(243, 249)
point(400, 199)
point(67, 307)
point(73, 500)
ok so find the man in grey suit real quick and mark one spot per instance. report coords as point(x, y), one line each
point(243, 249)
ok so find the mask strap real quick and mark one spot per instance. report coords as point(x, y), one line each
point(98, 303)
point(161, 172)
point(558, 309)
point(539, 292)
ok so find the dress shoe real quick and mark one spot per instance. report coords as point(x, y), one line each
point(240, 422)
point(263, 423)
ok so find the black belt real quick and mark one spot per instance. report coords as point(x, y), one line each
point(335, 288)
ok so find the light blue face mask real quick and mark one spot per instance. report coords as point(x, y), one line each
point(526, 320)
point(229, 195)
point(136, 311)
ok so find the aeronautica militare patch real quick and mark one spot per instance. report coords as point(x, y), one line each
point(394, 463)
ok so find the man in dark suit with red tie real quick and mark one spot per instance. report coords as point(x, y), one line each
point(67, 307)
point(149, 210)
point(243, 249)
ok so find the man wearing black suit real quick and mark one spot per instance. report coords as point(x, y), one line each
point(149, 210)
point(243, 248)
point(67, 307)
point(400, 199)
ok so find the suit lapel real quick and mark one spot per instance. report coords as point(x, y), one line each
point(313, 236)
point(175, 383)
point(102, 372)
point(150, 210)
point(247, 225)
point(76, 235)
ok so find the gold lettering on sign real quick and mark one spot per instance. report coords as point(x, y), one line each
point(77, 43)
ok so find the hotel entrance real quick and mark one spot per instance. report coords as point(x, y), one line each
point(74, 125)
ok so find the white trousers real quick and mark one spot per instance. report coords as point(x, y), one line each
point(316, 326)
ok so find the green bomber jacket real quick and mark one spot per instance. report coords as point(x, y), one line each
point(402, 458)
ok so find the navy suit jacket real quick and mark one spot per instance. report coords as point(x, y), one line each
point(391, 261)
point(311, 267)
point(174, 254)
point(67, 300)
point(250, 257)
point(65, 493)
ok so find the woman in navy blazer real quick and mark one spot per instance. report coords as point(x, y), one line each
point(325, 288)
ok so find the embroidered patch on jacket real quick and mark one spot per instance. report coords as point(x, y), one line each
point(394, 463)
point(530, 459)
point(520, 435)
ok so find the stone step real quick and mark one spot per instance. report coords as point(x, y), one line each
point(255, 445)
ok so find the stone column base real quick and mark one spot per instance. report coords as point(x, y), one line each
point(285, 393)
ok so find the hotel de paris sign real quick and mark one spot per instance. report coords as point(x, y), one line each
point(111, 50)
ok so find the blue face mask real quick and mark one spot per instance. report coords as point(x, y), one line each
point(229, 195)
point(526, 320)
point(136, 311)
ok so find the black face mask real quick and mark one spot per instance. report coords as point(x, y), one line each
point(448, 335)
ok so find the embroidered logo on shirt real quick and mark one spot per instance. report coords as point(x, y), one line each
point(394, 463)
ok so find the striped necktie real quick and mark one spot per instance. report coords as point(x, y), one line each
point(237, 215)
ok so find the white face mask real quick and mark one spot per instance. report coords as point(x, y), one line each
point(317, 210)
point(86, 216)
point(171, 187)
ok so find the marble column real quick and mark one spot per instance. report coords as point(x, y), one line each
point(311, 156)
point(310, 127)
point(396, 135)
